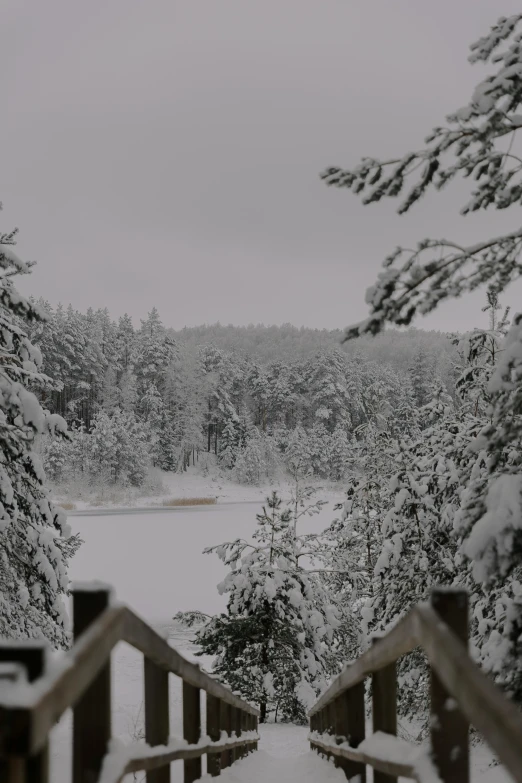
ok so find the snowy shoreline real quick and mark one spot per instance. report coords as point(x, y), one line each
point(188, 485)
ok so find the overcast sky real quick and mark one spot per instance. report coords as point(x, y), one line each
point(168, 152)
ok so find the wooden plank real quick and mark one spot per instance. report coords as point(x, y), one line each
point(405, 769)
point(156, 714)
point(141, 636)
point(484, 705)
point(449, 728)
point(384, 709)
point(32, 657)
point(214, 732)
point(349, 727)
point(191, 730)
point(92, 712)
point(400, 640)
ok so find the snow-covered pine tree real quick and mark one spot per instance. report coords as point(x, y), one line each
point(417, 280)
point(357, 535)
point(230, 444)
point(153, 351)
point(272, 645)
point(35, 541)
point(326, 378)
point(339, 455)
point(297, 454)
point(421, 376)
point(319, 445)
point(158, 430)
point(55, 457)
point(250, 465)
point(118, 449)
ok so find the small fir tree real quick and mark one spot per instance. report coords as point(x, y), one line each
point(272, 645)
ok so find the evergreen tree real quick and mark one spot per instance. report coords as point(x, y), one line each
point(421, 376)
point(35, 541)
point(417, 280)
point(340, 453)
point(272, 644)
point(117, 449)
point(152, 353)
point(230, 443)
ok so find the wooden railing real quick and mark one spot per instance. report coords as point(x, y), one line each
point(460, 696)
point(29, 709)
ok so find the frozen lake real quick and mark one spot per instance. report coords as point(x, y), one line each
point(154, 560)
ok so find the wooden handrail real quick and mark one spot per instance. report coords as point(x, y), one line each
point(39, 707)
point(471, 696)
point(28, 711)
point(400, 640)
point(145, 639)
point(484, 705)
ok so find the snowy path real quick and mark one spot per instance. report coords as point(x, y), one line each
point(284, 756)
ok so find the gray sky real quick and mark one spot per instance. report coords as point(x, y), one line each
point(167, 152)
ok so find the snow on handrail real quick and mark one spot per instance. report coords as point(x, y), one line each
point(124, 760)
point(385, 753)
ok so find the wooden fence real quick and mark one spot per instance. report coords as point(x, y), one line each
point(29, 710)
point(460, 696)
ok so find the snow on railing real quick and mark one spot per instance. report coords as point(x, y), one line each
point(33, 697)
point(460, 695)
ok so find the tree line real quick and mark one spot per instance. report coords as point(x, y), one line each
point(133, 397)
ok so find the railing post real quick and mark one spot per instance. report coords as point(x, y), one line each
point(237, 727)
point(349, 725)
point(156, 715)
point(32, 769)
point(191, 729)
point(384, 707)
point(330, 712)
point(448, 727)
point(92, 713)
point(315, 727)
point(322, 727)
point(213, 731)
point(233, 751)
point(244, 728)
point(225, 726)
point(256, 728)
